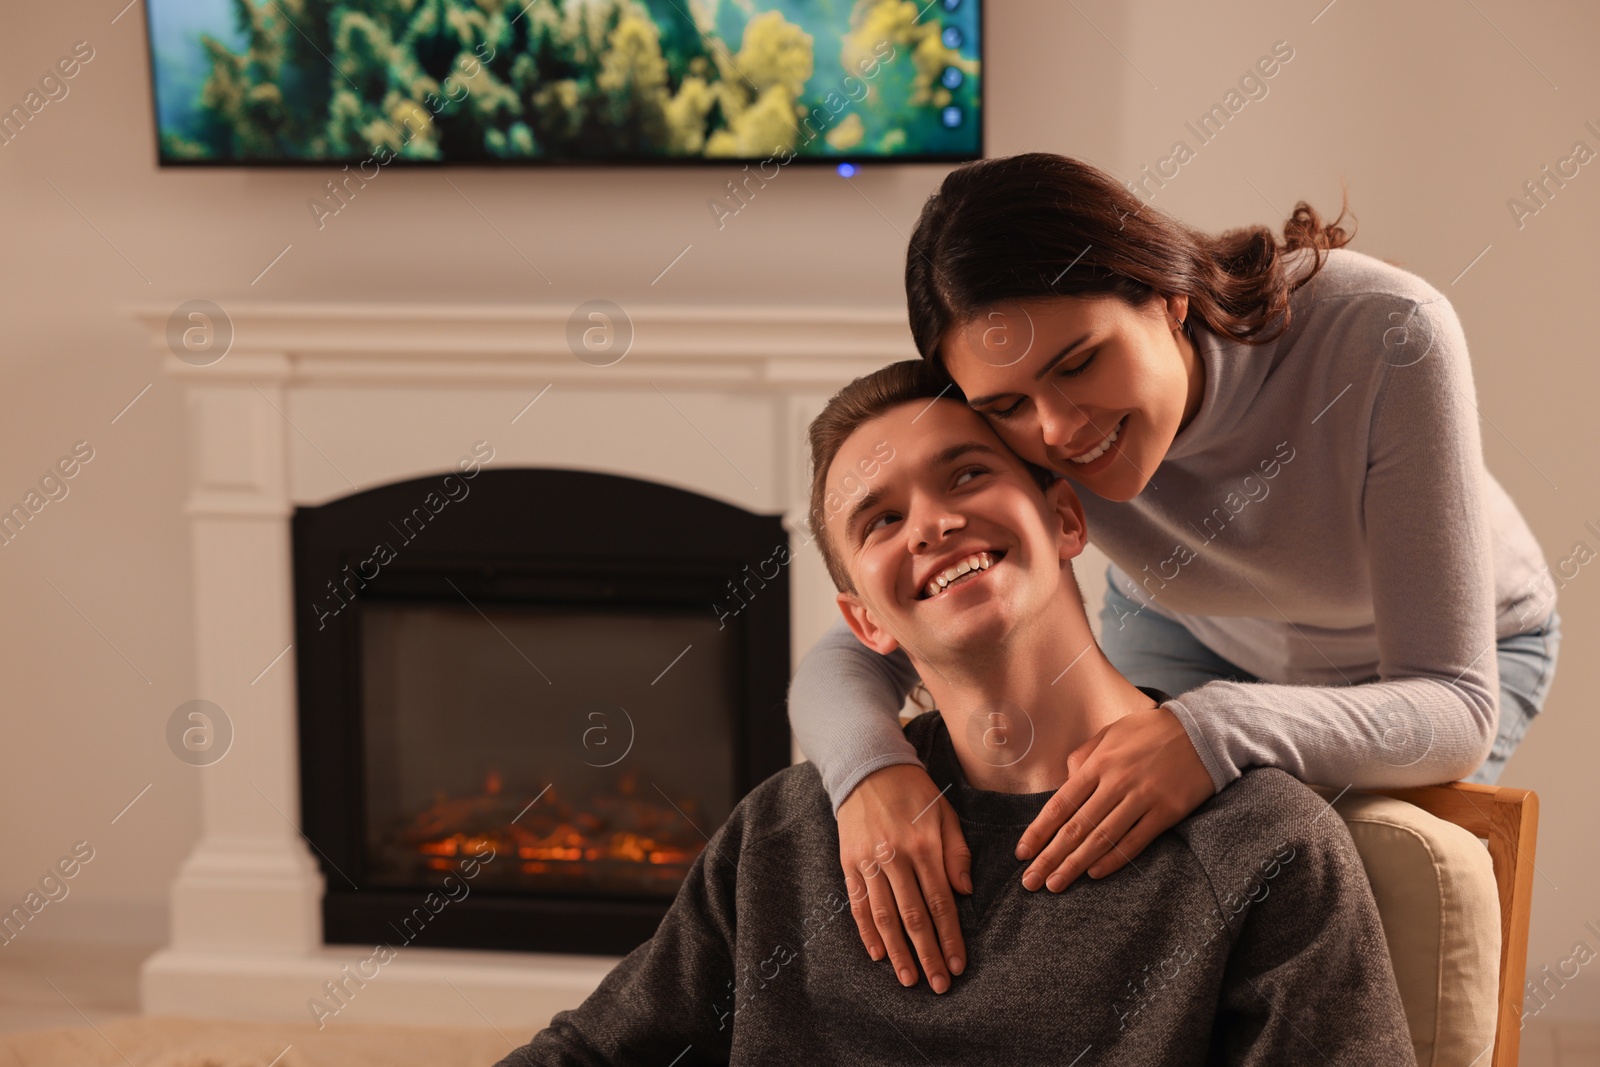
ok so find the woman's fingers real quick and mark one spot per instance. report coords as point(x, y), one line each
point(906, 878)
point(1084, 818)
point(861, 911)
point(1080, 784)
point(900, 860)
point(957, 856)
point(1126, 785)
point(886, 919)
point(1045, 831)
point(958, 869)
point(1101, 840)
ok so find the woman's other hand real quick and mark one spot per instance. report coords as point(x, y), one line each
point(1125, 786)
point(901, 848)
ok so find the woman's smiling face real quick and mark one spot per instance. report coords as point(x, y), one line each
point(1059, 377)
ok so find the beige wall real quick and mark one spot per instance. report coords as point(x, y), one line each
point(1430, 113)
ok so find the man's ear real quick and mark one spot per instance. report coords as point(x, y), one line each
point(859, 618)
point(1071, 530)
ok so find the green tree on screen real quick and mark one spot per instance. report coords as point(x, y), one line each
point(454, 79)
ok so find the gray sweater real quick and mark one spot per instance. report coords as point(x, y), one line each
point(1246, 934)
point(1324, 522)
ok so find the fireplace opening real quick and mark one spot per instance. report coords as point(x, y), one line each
point(569, 789)
point(536, 710)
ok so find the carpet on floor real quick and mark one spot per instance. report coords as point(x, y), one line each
point(169, 1041)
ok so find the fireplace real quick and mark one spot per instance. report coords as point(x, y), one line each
point(315, 402)
point(526, 697)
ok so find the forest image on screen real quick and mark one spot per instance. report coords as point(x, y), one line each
point(456, 81)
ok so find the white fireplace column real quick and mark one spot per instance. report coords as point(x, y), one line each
point(246, 931)
point(250, 889)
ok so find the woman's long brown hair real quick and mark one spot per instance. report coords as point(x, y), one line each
point(1041, 225)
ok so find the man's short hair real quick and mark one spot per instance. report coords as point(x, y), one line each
point(863, 400)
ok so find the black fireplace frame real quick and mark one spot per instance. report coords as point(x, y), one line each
point(518, 536)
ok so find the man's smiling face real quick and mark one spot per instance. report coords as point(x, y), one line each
point(955, 545)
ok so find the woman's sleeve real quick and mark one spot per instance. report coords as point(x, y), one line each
point(844, 707)
point(1432, 714)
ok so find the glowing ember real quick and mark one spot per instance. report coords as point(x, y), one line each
point(623, 840)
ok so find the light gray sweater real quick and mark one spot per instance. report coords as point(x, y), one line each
point(1325, 522)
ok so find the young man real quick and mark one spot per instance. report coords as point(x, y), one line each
point(1246, 934)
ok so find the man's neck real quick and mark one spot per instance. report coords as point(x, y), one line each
point(1016, 710)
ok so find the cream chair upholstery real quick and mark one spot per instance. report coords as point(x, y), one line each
point(1435, 888)
point(1455, 912)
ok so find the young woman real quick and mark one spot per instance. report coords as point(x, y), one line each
point(1277, 446)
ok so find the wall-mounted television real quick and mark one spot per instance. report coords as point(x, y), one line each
point(587, 82)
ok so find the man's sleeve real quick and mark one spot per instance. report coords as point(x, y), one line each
point(671, 999)
point(1309, 978)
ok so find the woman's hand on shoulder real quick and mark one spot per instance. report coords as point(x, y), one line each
point(1125, 786)
point(902, 849)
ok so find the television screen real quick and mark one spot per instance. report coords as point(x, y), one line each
point(300, 82)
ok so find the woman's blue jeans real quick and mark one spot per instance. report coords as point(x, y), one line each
point(1154, 651)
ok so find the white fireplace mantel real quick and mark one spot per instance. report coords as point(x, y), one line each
point(731, 347)
point(314, 401)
